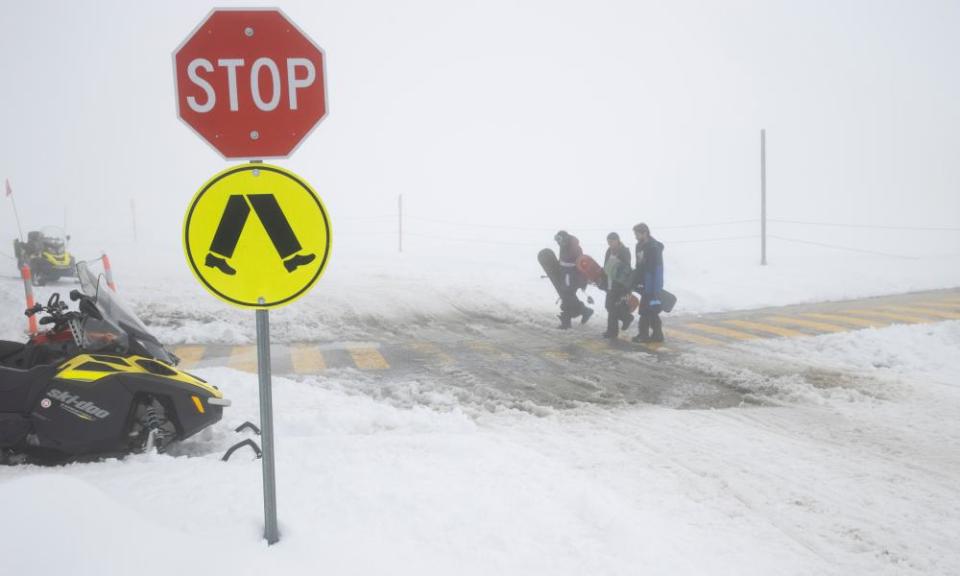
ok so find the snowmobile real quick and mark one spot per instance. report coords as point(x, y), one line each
point(45, 252)
point(96, 384)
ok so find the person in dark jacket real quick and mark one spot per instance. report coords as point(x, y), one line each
point(571, 280)
point(617, 277)
point(648, 277)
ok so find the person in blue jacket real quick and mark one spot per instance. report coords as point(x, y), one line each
point(648, 279)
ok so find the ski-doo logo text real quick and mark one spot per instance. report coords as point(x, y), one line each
point(73, 403)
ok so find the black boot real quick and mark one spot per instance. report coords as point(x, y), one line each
point(587, 313)
point(564, 322)
point(613, 328)
point(643, 330)
point(657, 324)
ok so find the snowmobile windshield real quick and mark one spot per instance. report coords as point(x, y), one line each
point(115, 312)
point(100, 334)
point(54, 240)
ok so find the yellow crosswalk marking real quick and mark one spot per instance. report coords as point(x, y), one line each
point(849, 320)
point(768, 328)
point(937, 305)
point(189, 356)
point(604, 346)
point(595, 345)
point(720, 331)
point(905, 318)
point(369, 359)
point(307, 359)
point(243, 358)
point(694, 338)
point(431, 349)
point(655, 346)
point(486, 348)
point(819, 326)
point(936, 313)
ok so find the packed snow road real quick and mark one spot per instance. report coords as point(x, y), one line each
point(493, 363)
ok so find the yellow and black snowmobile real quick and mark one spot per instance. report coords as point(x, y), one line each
point(95, 384)
point(45, 252)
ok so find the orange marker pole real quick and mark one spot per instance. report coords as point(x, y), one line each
point(28, 292)
point(108, 271)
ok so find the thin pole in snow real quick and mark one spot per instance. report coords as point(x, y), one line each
point(133, 217)
point(14, 204)
point(763, 197)
point(400, 223)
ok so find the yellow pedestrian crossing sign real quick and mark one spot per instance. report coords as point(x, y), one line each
point(257, 236)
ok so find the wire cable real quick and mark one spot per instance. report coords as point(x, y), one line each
point(470, 240)
point(846, 248)
point(704, 240)
point(580, 229)
point(868, 226)
point(368, 219)
point(530, 244)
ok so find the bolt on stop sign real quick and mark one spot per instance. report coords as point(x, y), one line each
point(250, 83)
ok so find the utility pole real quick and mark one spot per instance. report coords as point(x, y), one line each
point(763, 197)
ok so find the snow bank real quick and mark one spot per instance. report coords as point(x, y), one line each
point(853, 471)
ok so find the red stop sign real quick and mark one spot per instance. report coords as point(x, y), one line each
point(250, 83)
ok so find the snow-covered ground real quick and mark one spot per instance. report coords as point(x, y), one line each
point(856, 474)
point(849, 466)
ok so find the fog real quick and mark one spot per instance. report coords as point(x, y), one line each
point(532, 115)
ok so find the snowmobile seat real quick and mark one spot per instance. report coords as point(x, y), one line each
point(18, 389)
point(9, 350)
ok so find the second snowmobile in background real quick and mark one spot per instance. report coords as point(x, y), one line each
point(45, 252)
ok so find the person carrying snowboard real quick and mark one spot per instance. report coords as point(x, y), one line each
point(648, 278)
point(617, 278)
point(571, 280)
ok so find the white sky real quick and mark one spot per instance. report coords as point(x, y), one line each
point(546, 113)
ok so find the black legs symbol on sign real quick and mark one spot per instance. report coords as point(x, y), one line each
point(274, 222)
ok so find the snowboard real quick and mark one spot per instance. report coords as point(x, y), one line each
point(592, 271)
point(667, 301)
point(551, 266)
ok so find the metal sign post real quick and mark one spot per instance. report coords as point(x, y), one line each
point(270, 532)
